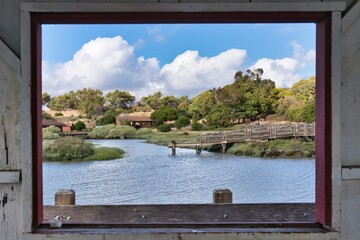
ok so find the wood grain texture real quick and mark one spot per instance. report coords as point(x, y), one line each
point(184, 214)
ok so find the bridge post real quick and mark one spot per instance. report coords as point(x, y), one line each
point(198, 149)
point(65, 197)
point(173, 148)
point(222, 196)
point(223, 144)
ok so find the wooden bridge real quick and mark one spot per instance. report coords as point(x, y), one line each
point(249, 133)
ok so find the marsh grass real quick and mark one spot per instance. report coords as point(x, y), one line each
point(71, 149)
point(106, 153)
point(276, 148)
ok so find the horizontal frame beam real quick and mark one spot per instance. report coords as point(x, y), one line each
point(270, 215)
point(185, 7)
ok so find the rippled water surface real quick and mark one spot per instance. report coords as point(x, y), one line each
point(148, 174)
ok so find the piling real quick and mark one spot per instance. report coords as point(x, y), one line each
point(198, 149)
point(222, 196)
point(223, 144)
point(173, 147)
point(65, 197)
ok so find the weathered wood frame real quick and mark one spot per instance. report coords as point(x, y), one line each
point(323, 16)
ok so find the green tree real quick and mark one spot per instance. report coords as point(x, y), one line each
point(89, 99)
point(298, 103)
point(153, 100)
point(202, 104)
point(170, 101)
point(109, 118)
point(184, 103)
point(163, 114)
point(46, 98)
point(219, 116)
point(79, 125)
point(119, 99)
point(164, 128)
point(182, 121)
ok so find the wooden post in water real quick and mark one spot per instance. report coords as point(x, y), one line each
point(222, 196)
point(65, 197)
point(223, 144)
point(198, 149)
point(173, 148)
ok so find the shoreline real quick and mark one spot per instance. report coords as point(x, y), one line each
point(283, 148)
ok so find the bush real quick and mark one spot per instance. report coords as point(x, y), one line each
point(49, 135)
point(58, 114)
point(144, 131)
point(79, 126)
point(101, 132)
point(182, 121)
point(52, 129)
point(196, 126)
point(164, 128)
point(122, 131)
point(67, 149)
point(107, 119)
point(50, 132)
point(111, 131)
point(106, 153)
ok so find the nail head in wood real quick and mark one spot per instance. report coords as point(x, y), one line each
point(65, 197)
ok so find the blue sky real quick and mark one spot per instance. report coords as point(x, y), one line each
point(177, 59)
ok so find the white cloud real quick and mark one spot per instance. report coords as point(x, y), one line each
point(156, 34)
point(190, 73)
point(286, 71)
point(110, 63)
point(103, 63)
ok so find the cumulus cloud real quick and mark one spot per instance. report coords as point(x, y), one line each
point(190, 73)
point(286, 71)
point(111, 63)
point(103, 63)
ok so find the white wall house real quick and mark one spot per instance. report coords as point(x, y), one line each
point(18, 200)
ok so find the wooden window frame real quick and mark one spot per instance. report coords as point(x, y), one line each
point(242, 215)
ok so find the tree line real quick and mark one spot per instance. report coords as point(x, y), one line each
point(248, 98)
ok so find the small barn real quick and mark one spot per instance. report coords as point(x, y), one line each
point(135, 121)
point(51, 122)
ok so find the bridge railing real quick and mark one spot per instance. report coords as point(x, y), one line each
point(258, 132)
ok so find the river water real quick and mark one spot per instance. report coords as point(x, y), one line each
point(148, 174)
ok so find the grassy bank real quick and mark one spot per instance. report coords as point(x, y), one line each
point(294, 148)
point(106, 153)
point(165, 138)
point(71, 149)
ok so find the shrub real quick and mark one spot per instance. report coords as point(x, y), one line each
point(111, 131)
point(67, 149)
point(122, 131)
point(52, 129)
point(107, 119)
point(50, 132)
point(58, 114)
point(196, 126)
point(45, 115)
point(79, 126)
point(182, 121)
point(144, 131)
point(106, 153)
point(101, 132)
point(49, 135)
point(164, 128)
